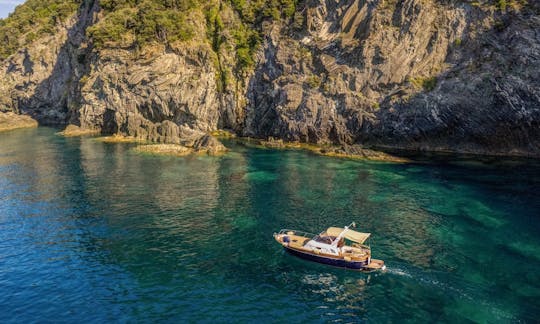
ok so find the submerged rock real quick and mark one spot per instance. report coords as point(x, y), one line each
point(343, 151)
point(205, 144)
point(165, 149)
point(72, 131)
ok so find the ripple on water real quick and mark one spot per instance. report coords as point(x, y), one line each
point(260, 176)
point(94, 233)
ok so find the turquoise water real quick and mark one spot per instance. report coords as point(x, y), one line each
point(93, 232)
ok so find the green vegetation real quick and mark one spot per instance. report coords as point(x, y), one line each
point(231, 25)
point(427, 84)
point(501, 5)
point(165, 21)
point(314, 81)
point(31, 21)
point(255, 11)
point(139, 23)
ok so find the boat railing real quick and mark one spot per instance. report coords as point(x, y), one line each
point(297, 233)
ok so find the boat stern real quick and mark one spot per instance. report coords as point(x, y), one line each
point(375, 265)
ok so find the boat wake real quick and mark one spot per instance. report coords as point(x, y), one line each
point(467, 292)
point(430, 278)
point(435, 279)
point(398, 272)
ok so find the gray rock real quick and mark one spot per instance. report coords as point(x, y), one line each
point(409, 74)
point(209, 145)
point(413, 74)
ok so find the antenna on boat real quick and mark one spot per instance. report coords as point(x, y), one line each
point(353, 224)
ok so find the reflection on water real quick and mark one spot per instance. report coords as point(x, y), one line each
point(96, 232)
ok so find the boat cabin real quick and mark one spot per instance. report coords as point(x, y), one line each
point(332, 241)
point(336, 246)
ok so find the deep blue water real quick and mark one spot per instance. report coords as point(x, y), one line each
point(94, 232)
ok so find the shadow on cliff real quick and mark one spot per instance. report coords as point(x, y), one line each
point(56, 98)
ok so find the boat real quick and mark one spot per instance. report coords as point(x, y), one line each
point(336, 246)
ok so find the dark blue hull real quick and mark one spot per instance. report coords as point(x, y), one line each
point(355, 265)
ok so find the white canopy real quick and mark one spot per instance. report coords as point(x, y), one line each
point(349, 234)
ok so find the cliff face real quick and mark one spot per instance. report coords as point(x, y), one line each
point(162, 93)
point(331, 80)
point(41, 79)
point(435, 75)
point(404, 74)
point(487, 100)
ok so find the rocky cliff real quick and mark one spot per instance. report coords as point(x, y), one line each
point(413, 74)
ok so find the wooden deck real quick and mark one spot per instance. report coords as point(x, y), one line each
point(297, 241)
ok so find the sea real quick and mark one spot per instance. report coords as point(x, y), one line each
point(94, 232)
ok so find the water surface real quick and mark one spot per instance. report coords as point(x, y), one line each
point(96, 232)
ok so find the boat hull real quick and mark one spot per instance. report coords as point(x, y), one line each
point(354, 265)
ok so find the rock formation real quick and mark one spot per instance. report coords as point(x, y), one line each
point(410, 74)
point(405, 74)
point(10, 121)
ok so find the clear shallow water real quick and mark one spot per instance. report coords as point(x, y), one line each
point(95, 232)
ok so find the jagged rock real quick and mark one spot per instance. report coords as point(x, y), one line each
point(414, 74)
point(409, 74)
point(42, 79)
point(209, 145)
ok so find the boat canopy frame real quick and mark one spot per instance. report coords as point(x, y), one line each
point(347, 233)
point(336, 232)
point(286, 231)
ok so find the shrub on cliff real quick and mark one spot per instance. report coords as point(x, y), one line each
point(137, 23)
point(129, 22)
point(427, 83)
point(32, 20)
point(254, 11)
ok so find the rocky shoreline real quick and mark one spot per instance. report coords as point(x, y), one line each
point(10, 121)
point(74, 131)
point(340, 151)
point(465, 151)
point(350, 79)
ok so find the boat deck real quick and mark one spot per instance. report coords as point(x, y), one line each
point(297, 241)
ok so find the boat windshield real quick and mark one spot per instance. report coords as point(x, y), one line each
point(324, 239)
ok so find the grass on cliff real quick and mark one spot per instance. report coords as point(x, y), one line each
point(32, 20)
point(501, 5)
point(428, 83)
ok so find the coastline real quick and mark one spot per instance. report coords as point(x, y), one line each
point(380, 153)
point(355, 152)
point(466, 152)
